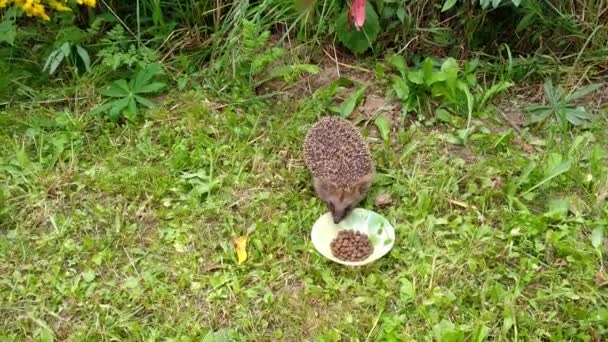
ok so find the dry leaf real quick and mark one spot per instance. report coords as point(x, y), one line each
point(383, 200)
point(241, 249)
point(600, 279)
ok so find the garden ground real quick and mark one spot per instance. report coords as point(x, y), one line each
point(117, 232)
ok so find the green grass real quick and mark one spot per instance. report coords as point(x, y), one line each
point(126, 232)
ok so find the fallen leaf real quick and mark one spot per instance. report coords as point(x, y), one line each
point(498, 182)
point(527, 148)
point(241, 249)
point(383, 200)
point(600, 279)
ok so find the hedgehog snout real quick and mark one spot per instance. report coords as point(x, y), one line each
point(337, 217)
point(338, 214)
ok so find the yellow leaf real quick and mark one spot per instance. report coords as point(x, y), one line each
point(241, 249)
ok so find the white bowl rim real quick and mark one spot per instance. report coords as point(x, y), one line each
point(324, 231)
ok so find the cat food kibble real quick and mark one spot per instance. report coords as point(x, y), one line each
point(351, 246)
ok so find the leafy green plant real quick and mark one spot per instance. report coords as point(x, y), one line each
point(448, 4)
point(554, 166)
point(255, 63)
point(8, 31)
point(67, 52)
point(118, 51)
point(457, 88)
point(559, 105)
point(128, 95)
point(348, 106)
point(413, 87)
point(358, 40)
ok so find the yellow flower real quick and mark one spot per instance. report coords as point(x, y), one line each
point(32, 8)
point(4, 3)
point(39, 11)
point(39, 8)
point(58, 6)
point(90, 3)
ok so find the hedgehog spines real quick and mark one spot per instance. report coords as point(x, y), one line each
point(335, 151)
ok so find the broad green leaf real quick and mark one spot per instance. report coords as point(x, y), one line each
point(63, 52)
point(555, 167)
point(535, 107)
point(443, 115)
point(401, 13)
point(144, 101)
point(358, 41)
point(219, 336)
point(447, 5)
point(583, 91)
point(44, 333)
point(181, 83)
point(549, 90)
point(118, 106)
point(84, 56)
point(469, 97)
point(407, 290)
point(145, 75)
point(471, 65)
point(131, 282)
point(402, 90)
point(415, 77)
point(524, 177)
point(398, 62)
point(8, 31)
point(446, 331)
point(435, 77)
point(150, 88)
point(384, 126)
point(51, 59)
point(351, 103)
point(65, 48)
point(132, 106)
point(578, 116)
point(481, 333)
point(427, 69)
point(493, 91)
point(496, 3)
point(431, 76)
point(88, 276)
point(557, 209)
point(540, 115)
point(450, 70)
point(454, 139)
point(118, 88)
point(115, 113)
point(516, 2)
point(597, 237)
point(122, 103)
point(102, 108)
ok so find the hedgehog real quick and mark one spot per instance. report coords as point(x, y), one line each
point(340, 163)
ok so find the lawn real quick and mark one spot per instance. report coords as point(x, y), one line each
point(127, 232)
point(129, 170)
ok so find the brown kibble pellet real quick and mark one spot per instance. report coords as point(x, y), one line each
point(351, 246)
